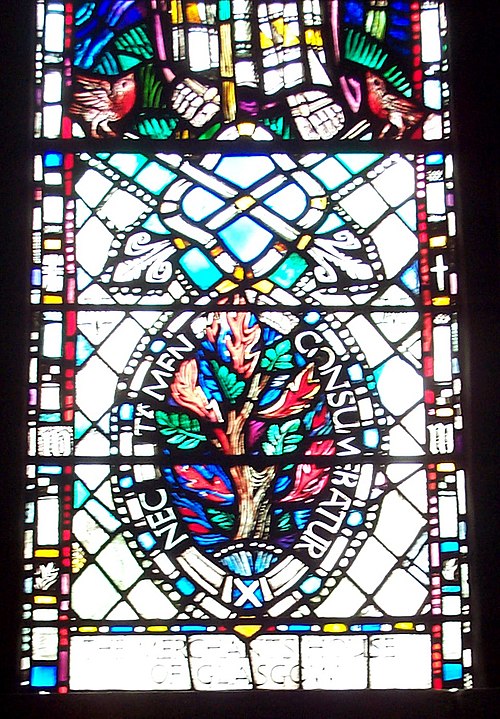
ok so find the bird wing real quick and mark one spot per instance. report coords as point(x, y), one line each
point(400, 104)
point(96, 93)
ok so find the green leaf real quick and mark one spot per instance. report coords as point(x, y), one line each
point(278, 357)
point(180, 429)
point(285, 521)
point(135, 43)
point(282, 439)
point(224, 520)
point(158, 128)
point(152, 88)
point(228, 381)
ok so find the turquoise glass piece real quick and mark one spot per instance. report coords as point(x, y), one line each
point(127, 163)
point(332, 222)
point(356, 163)
point(200, 203)
point(289, 272)
point(154, 177)
point(331, 173)
point(290, 202)
point(245, 239)
point(244, 171)
point(201, 270)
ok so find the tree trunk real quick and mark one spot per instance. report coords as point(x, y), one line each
point(254, 501)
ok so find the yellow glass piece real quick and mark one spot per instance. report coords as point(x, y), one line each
point(314, 37)
point(87, 630)
point(264, 286)
point(44, 600)
point(226, 51)
point(446, 467)
point(229, 100)
point(192, 13)
point(439, 241)
point(404, 625)
point(52, 244)
point(335, 628)
point(52, 300)
point(289, 37)
point(180, 243)
point(247, 630)
point(441, 301)
point(303, 242)
point(176, 11)
point(444, 412)
point(158, 628)
point(246, 129)
point(279, 26)
point(185, 135)
point(243, 203)
point(216, 251)
point(226, 286)
point(319, 202)
point(239, 273)
point(265, 41)
point(46, 553)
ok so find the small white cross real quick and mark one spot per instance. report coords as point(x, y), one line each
point(440, 269)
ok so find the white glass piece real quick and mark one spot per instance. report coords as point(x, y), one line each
point(415, 490)
point(92, 474)
point(52, 115)
point(371, 565)
point(52, 87)
point(219, 663)
point(119, 563)
point(345, 601)
point(431, 40)
point(44, 643)
point(122, 612)
point(435, 198)
point(96, 326)
point(50, 396)
point(92, 187)
point(395, 325)
point(92, 594)
point(47, 521)
point(93, 444)
point(141, 663)
point(452, 606)
point(399, 385)
point(399, 661)
point(275, 662)
point(90, 535)
point(334, 662)
point(95, 388)
point(397, 183)
point(118, 347)
point(402, 444)
point(398, 523)
point(396, 244)
point(448, 516)
point(414, 423)
point(452, 640)
point(53, 209)
point(150, 602)
point(432, 94)
point(364, 205)
point(441, 336)
point(375, 348)
point(122, 209)
point(92, 245)
point(401, 594)
point(54, 32)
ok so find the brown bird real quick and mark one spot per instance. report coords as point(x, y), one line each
point(101, 101)
point(399, 112)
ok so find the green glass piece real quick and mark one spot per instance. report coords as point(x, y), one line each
point(289, 271)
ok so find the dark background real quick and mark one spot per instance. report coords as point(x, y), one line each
point(475, 42)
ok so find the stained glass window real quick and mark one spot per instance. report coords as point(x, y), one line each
point(245, 463)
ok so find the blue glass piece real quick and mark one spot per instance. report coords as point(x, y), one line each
point(290, 202)
point(83, 349)
point(357, 162)
point(50, 470)
point(435, 159)
point(289, 271)
point(311, 585)
point(354, 518)
point(157, 346)
point(154, 177)
point(331, 173)
point(199, 203)
point(452, 589)
point(121, 630)
point(43, 676)
point(312, 318)
point(244, 171)
point(127, 163)
point(452, 671)
point(185, 586)
point(193, 628)
point(126, 482)
point(245, 239)
point(80, 493)
point(146, 540)
point(201, 270)
point(298, 628)
point(371, 627)
point(355, 373)
point(410, 278)
point(52, 159)
point(126, 411)
point(83, 279)
point(353, 12)
point(371, 438)
point(82, 424)
point(36, 277)
point(332, 222)
point(449, 546)
point(154, 224)
point(50, 417)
